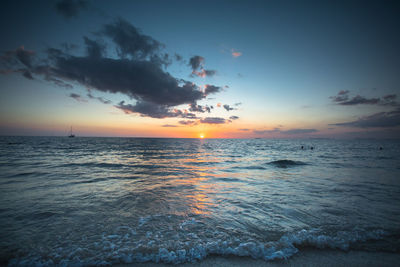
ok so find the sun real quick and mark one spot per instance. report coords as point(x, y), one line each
point(201, 136)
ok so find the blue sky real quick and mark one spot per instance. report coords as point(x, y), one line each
point(295, 57)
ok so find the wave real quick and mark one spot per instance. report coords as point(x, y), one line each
point(113, 252)
point(285, 163)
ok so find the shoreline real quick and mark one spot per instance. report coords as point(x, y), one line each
point(306, 257)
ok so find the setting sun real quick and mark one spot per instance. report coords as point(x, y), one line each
point(201, 136)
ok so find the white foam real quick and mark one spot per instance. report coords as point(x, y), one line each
point(116, 248)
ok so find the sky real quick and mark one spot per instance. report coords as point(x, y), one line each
point(185, 69)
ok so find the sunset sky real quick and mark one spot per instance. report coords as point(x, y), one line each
point(234, 69)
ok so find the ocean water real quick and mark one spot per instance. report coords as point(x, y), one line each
point(99, 201)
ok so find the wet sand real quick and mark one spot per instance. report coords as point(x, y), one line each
point(308, 257)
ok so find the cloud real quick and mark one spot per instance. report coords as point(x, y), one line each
point(149, 109)
point(377, 120)
point(77, 97)
point(168, 125)
point(343, 98)
point(188, 122)
point(228, 108)
point(141, 80)
point(390, 100)
point(244, 129)
point(275, 130)
point(28, 75)
point(236, 53)
point(390, 97)
point(18, 56)
point(197, 65)
point(289, 132)
point(359, 100)
point(102, 100)
point(199, 108)
point(211, 89)
point(70, 8)
point(213, 120)
point(299, 131)
point(94, 49)
point(138, 72)
point(204, 73)
point(188, 115)
point(233, 117)
point(131, 42)
point(196, 62)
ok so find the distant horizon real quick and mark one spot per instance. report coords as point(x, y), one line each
point(156, 137)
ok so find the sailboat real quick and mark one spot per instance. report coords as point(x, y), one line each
point(71, 134)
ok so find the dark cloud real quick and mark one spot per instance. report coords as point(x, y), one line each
point(102, 100)
point(188, 115)
point(196, 108)
point(211, 89)
point(233, 117)
point(197, 65)
point(138, 72)
point(390, 100)
point(343, 98)
point(213, 120)
point(68, 47)
point(196, 62)
point(25, 56)
point(77, 97)
point(149, 109)
point(199, 108)
point(45, 71)
point(228, 108)
point(142, 80)
point(377, 120)
point(390, 97)
point(19, 55)
point(94, 49)
point(359, 100)
point(70, 8)
point(237, 104)
point(168, 125)
point(130, 41)
point(27, 74)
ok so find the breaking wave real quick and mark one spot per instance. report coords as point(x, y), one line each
point(285, 163)
point(119, 248)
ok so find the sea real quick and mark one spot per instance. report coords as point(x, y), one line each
point(87, 201)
